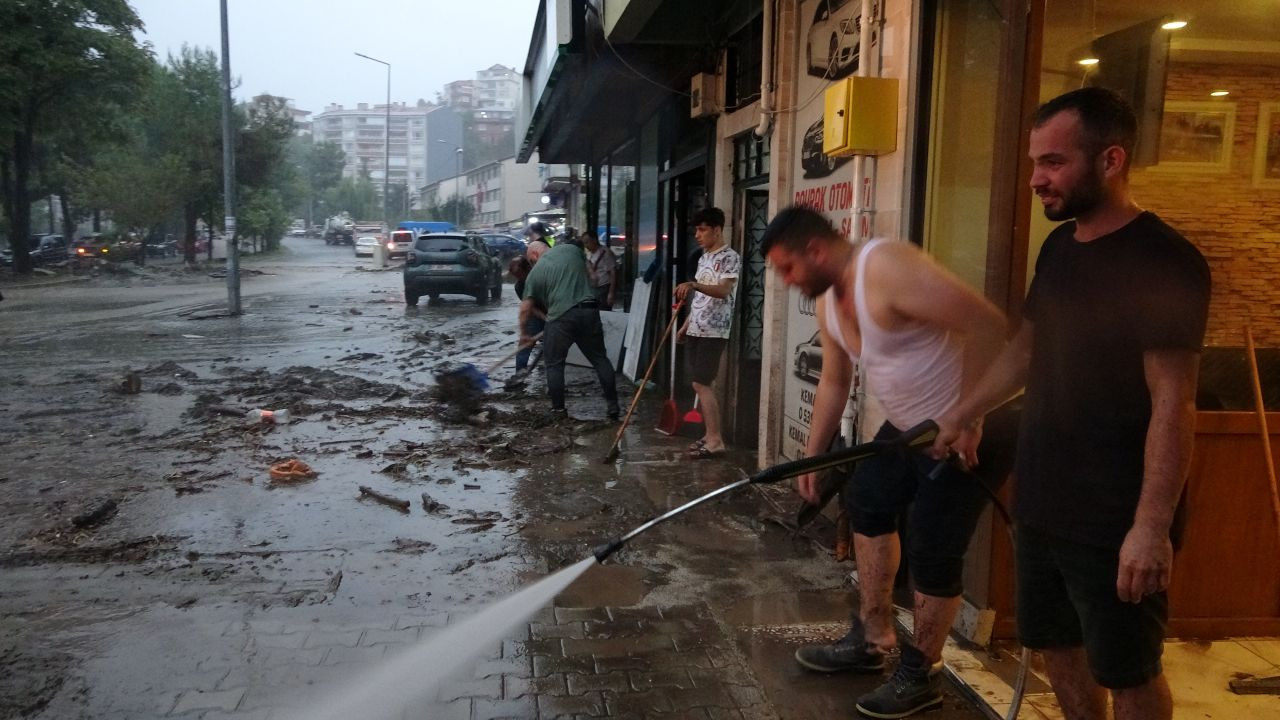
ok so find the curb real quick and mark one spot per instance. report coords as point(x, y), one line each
point(46, 283)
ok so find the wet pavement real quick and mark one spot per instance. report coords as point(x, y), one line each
point(150, 567)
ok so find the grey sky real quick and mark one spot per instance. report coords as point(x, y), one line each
point(302, 49)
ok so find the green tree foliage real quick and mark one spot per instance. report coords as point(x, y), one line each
point(318, 169)
point(64, 66)
point(455, 210)
point(357, 197)
point(262, 217)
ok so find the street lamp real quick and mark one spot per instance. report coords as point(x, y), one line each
point(457, 190)
point(386, 156)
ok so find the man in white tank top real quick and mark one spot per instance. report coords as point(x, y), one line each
point(923, 337)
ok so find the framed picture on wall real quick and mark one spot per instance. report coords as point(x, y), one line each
point(1266, 154)
point(1196, 137)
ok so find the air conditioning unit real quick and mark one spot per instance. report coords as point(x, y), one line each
point(704, 91)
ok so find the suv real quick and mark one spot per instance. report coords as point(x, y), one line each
point(451, 263)
point(42, 249)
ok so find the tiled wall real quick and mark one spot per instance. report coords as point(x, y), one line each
point(1235, 225)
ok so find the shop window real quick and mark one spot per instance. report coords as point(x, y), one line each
point(1208, 100)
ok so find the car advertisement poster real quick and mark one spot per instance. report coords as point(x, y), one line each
point(830, 32)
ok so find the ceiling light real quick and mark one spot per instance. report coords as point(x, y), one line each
point(1087, 61)
point(1174, 25)
point(1219, 93)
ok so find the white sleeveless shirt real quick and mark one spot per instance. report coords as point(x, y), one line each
point(914, 372)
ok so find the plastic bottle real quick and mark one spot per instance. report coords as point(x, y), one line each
point(272, 417)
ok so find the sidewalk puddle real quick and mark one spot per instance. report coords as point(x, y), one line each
point(607, 586)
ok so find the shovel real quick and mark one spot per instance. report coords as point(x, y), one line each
point(467, 381)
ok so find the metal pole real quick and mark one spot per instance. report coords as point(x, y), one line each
point(457, 184)
point(386, 161)
point(228, 176)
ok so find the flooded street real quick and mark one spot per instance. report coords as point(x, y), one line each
point(151, 567)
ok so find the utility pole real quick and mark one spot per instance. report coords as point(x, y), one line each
point(386, 148)
point(228, 177)
point(457, 183)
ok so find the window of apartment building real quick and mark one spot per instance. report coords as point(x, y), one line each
point(742, 69)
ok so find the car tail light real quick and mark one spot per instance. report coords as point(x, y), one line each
point(391, 246)
point(411, 259)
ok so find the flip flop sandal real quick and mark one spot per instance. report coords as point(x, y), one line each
point(703, 453)
point(697, 445)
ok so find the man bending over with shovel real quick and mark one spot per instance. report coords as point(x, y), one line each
point(923, 337)
point(558, 283)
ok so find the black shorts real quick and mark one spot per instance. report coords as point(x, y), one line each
point(1067, 598)
point(943, 510)
point(702, 358)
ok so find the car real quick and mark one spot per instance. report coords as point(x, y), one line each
point(808, 359)
point(42, 249)
point(816, 163)
point(451, 263)
point(504, 247)
point(93, 245)
point(162, 247)
point(400, 242)
point(831, 49)
point(364, 245)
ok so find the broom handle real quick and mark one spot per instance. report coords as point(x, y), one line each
point(1262, 424)
point(657, 355)
point(503, 360)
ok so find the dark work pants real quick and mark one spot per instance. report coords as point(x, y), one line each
point(579, 326)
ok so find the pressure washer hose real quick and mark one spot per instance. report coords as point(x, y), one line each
point(922, 434)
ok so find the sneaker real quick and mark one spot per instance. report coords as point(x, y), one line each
point(559, 414)
point(912, 688)
point(850, 653)
point(614, 416)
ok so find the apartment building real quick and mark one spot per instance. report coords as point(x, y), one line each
point(423, 139)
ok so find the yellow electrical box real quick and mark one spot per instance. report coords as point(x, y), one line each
point(861, 117)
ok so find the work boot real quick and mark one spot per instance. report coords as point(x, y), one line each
point(913, 687)
point(850, 653)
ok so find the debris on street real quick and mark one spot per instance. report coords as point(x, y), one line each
point(397, 503)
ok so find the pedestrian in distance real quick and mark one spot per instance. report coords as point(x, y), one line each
point(1109, 350)
point(602, 269)
point(558, 283)
point(922, 337)
point(705, 331)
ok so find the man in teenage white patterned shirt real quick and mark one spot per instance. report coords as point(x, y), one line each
point(706, 329)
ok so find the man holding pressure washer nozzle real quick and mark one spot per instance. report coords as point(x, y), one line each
point(1109, 351)
point(923, 338)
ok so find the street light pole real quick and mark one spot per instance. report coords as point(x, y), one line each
point(228, 178)
point(386, 155)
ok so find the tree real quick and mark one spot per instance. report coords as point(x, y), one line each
point(357, 197)
point(262, 216)
point(455, 210)
point(64, 64)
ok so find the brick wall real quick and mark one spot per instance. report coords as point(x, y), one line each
point(1235, 225)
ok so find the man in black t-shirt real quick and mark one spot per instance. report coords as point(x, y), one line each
point(1109, 353)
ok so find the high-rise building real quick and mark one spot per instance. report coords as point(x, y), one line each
point(415, 158)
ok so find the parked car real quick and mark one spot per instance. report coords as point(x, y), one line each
point(400, 243)
point(364, 245)
point(43, 250)
point(451, 263)
point(504, 247)
point(808, 359)
point(162, 247)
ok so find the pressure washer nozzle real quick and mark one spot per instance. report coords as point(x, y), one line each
point(602, 552)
